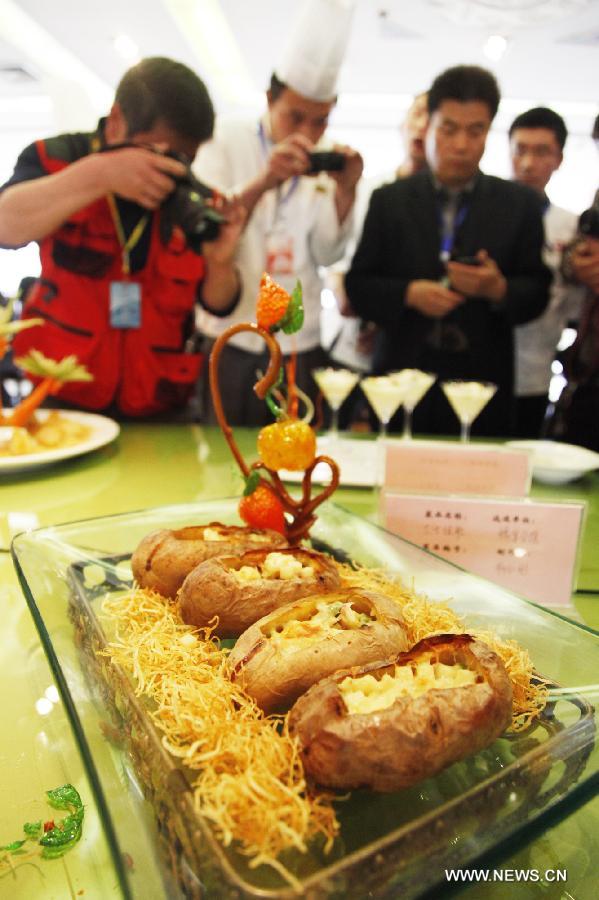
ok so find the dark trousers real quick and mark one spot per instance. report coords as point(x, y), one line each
point(576, 419)
point(237, 377)
point(529, 416)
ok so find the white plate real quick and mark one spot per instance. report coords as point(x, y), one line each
point(557, 463)
point(103, 431)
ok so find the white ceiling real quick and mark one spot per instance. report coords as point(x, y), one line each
point(396, 47)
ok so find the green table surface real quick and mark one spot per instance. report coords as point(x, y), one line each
point(153, 465)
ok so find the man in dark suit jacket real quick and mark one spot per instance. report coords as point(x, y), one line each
point(450, 259)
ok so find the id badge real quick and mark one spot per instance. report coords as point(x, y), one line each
point(125, 304)
point(279, 253)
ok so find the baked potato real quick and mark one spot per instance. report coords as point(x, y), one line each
point(242, 589)
point(389, 725)
point(284, 653)
point(164, 558)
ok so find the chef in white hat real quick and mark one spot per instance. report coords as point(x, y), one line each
point(296, 221)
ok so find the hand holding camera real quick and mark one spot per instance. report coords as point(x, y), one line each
point(289, 158)
point(221, 250)
point(154, 176)
point(584, 262)
point(325, 161)
point(349, 172)
point(144, 175)
point(295, 155)
point(581, 258)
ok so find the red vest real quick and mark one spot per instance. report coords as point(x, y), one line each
point(143, 370)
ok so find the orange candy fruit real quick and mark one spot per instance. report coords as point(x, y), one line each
point(272, 304)
point(288, 444)
point(263, 509)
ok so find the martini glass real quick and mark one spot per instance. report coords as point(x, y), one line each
point(468, 399)
point(415, 384)
point(336, 385)
point(385, 396)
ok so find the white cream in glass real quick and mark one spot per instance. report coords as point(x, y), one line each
point(414, 384)
point(385, 396)
point(336, 385)
point(468, 399)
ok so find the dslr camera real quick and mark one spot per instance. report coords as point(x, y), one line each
point(326, 161)
point(191, 207)
point(588, 223)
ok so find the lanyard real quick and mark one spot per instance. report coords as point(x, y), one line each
point(281, 198)
point(448, 235)
point(127, 244)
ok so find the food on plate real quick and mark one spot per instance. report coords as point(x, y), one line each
point(284, 653)
point(50, 376)
point(242, 589)
point(247, 772)
point(164, 558)
point(390, 724)
point(424, 617)
point(41, 434)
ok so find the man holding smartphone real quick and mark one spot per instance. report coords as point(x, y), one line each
point(450, 259)
point(299, 207)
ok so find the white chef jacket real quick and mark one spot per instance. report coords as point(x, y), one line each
point(301, 208)
point(536, 341)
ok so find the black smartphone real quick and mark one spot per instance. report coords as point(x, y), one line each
point(467, 260)
point(326, 161)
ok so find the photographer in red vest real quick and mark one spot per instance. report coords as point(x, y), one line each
point(129, 241)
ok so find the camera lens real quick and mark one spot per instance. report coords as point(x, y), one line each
point(588, 224)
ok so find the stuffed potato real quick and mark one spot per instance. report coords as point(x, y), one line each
point(283, 654)
point(164, 558)
point(242, 589)
point(389, 725)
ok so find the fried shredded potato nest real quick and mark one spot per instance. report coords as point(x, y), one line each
point(250, 783)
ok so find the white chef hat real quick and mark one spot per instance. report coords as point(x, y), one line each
point(311, 62)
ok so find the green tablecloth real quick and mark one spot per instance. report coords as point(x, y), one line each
point(154, 465)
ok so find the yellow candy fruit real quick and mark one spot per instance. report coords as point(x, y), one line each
point(289, 444)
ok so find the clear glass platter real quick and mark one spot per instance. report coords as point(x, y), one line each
point(390, 845)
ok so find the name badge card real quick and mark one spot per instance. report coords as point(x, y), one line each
point(125, 304)
point(279, 253)
point(530, 547)
point(442, 467)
